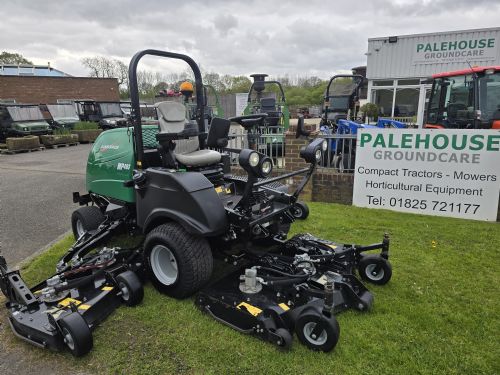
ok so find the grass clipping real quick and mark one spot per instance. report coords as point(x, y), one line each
point(438, 314)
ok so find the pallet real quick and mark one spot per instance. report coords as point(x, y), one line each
point(12, 152)
point(62, 145)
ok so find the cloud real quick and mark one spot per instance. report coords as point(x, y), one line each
point(225, 22)
point(278, 38)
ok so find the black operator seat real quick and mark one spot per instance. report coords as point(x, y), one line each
point(174, 125)
point(268, 105)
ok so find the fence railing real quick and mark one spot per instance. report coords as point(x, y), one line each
point(410, 121)
point(268, 140)
point(340, 154)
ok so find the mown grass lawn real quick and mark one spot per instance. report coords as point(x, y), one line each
point(438, 315)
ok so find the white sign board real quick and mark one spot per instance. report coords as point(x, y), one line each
point(435, 172)
point(452, 49)
point(241, 103)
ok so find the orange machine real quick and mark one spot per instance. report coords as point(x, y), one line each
point(465, 99)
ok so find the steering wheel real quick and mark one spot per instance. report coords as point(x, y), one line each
point(249, 121)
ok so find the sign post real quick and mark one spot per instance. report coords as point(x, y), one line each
point(434, 172)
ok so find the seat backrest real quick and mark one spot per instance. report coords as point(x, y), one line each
point(171, 116)
point(267, 104)
point(218, 133)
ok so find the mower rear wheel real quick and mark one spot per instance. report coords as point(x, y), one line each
point(324, 340)
point(178, 263)
point(300, 210)
point(76, 334)
point(85, 219)
point(375, 269)
point(131, 288)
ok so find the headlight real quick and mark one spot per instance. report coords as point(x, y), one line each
point(266, 166)
point(318, 154)
point(254, 159)
point(112, 122)
point(312, 152)
point(25, 129)
point(325, 146)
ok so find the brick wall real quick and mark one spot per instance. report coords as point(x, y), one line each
point(326, 185)
point(46, 90)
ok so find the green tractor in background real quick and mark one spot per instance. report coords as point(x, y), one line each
point(270, 138)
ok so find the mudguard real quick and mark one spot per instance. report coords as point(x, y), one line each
point(188, 198)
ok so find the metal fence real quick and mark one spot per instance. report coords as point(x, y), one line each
point(340, 154)
point(410, 121)
point(269, 140)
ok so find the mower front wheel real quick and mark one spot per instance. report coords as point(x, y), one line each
point(76, 334)
point(317, 331)
point(375, 269)
point(178, 263)
point(130, 287)
point(85, 219)
point(300, 210)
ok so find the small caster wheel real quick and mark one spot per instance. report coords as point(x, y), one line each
point(300, 210)
point(317, 332)
point(76, 334)
point(375, 269)
point(130, 287)
point(285, 341)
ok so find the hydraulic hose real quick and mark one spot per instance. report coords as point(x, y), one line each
point(281, 272)
point(79, 282)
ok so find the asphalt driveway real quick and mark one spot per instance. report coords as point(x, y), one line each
point(35, 197)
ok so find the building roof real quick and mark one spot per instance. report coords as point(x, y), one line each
point(31, 70)
point(475, 69)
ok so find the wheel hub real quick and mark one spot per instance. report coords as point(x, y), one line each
point(371, 271)
point(312, 338)
point(164, 265)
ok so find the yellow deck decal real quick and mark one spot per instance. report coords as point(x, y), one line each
point(251, 309)
point(107, 288)
point(332, 246)
point(218, 189)
point(284, 306)
point(67, 301)
point(84, 307)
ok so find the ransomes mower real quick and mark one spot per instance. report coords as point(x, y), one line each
point(172, 184)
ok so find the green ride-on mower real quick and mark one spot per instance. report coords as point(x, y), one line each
point(172, 184)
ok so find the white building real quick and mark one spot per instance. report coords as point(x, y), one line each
point(397, 66)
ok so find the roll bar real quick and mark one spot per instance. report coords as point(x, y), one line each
point(134, 96)
point(361, 78)
point(249, 99)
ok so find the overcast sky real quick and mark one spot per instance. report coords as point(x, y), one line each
point(239, 38)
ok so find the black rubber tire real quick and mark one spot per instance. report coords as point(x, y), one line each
point(192, 254)
point(367, 261)
point(332, 331)
point(286, 338)
point(300, 210)
point(90, 217)
point(130, 285)
point(77, 328)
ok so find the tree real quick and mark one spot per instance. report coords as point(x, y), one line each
point(102, 67)
point(13, 58)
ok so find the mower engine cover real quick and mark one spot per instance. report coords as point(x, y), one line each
point(111, 162)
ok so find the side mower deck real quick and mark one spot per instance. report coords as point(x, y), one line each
point(298, 287)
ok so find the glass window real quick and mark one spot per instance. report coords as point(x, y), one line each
point(489, 97)
point(383, 99)
point(402, 82)
point(383, 83)
point(406, 102)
